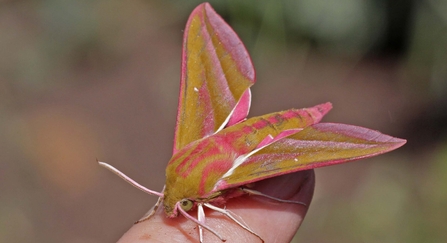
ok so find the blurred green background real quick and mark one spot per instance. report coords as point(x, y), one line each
point(81, 80)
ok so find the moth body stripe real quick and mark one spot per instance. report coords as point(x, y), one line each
point(195, 156)
point(215, 167)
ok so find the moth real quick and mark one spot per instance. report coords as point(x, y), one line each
point(218, 151)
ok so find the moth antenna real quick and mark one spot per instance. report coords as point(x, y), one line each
point(152, 211)
point(129, 180)
point(184, 213)
point(228, 213)
point(258, 193)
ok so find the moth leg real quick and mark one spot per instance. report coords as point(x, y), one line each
point(258, 193)
point(184, 213)
point(230, 214)
point(201, 218)
point(152, 211)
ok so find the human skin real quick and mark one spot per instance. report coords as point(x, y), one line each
point(273, 221)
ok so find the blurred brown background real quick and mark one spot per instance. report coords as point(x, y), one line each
point(81, 80)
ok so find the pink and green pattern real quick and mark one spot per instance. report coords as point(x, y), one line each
point(217, 150)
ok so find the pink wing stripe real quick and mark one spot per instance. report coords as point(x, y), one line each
point(240, 112)
point(359, 132)
point(269, 139)
point(232, 43)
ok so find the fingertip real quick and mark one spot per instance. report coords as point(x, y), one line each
point(276, 221)
point(273, 221)
point(160, 229)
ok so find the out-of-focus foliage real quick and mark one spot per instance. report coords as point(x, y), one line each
point(81, 80)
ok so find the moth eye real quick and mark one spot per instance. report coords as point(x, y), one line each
point(186, 204)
